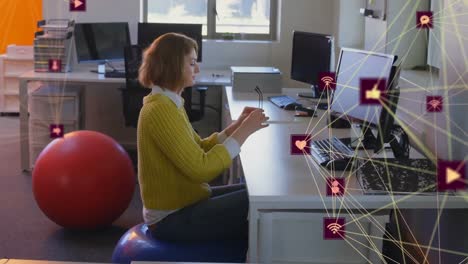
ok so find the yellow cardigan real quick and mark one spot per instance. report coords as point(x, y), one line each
point(174, 163)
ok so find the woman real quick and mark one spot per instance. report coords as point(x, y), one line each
point(175, 164)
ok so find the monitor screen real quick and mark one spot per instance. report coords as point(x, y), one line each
point(353, 66)
point(148, 32)
point(101, 42)
point(311, 55)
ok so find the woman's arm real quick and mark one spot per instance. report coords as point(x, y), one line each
point(172, 135)
point(236, 124)
point(252, 123)
point(218, 138)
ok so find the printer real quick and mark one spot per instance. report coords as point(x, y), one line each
point(245, 79)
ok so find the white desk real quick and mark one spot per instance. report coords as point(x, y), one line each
point(84, 76)
point(290, 189)
point(164, 262)
point(32, 261)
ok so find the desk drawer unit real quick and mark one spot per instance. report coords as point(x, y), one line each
point(34, 151)
point(39, 135)
point(39, 130)
point(51, 105)
point(54, 107)
point(298, 237)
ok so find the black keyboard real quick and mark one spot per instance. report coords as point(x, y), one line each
point(333, 149)
point(115, 74)
point(284, 101)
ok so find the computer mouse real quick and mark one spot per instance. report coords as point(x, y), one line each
point(339, 165)
point(291, 106)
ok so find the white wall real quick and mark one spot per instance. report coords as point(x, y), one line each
point(97, 11)
point(433, 53)
point(454, 76)
point(305, 15)
point(446, 134)
point(451, 146)
point(350, 24)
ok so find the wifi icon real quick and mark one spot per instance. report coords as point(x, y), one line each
point(333, 228)
point(434, 104)
point(327, 81)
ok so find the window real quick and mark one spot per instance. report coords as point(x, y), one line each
point(221, 19)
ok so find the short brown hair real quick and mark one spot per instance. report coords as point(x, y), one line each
point(163, 60)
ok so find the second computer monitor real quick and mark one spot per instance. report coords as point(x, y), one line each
point(101, 42)
point(148, 32)
point(312, 54)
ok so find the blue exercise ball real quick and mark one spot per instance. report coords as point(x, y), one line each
point(137, 244)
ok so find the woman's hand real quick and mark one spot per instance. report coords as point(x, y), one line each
point(235, 125)
point(246, 112)
point(252, 123)
point(255, 121)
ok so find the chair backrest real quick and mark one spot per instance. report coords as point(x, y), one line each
point(132, 95)
point(133, 59)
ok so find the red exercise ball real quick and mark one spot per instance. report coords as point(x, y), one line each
point(84, 180)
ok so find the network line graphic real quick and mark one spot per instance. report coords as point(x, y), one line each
point(435, 98)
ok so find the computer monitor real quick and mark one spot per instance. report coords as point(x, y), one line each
point(353, 66)
point(148, 32)
point(101, 42)
point(312, 54)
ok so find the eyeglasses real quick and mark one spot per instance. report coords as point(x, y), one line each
point(260, 97)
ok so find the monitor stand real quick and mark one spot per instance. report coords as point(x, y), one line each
point(368, 141)
point(323, 104)
point(102, 69)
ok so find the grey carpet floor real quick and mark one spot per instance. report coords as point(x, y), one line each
point(26, 233)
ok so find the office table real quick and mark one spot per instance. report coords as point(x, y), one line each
point(83, 77)
point(290, 189)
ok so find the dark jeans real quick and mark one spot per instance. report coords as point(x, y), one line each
point(221, 217)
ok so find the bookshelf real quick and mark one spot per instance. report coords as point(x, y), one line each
point(11, 68)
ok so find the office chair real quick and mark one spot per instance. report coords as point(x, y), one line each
point(133, 93)
point(194, 114)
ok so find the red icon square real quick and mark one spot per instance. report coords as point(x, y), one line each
point(300, 144)
point(327, 81)
point(334, 228)
point(55, 65)
point(335, 186)
point(451, 175)
point(424, 19)
point(372, 91)
point(77, 5)
point(56, 130)
point(434, 104)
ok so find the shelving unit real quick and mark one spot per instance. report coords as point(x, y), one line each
point(10, 69)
